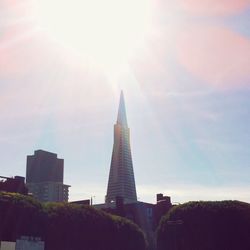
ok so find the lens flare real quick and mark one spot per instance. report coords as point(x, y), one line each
point(106, 31)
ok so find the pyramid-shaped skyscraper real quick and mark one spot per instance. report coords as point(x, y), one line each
point(121, 176)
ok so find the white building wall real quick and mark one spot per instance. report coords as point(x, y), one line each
point(6, 245)
point(27, 244)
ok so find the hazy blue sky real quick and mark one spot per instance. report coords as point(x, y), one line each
point(184, 67)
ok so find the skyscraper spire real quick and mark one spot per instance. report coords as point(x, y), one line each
point(122, 118)
point(121, 176)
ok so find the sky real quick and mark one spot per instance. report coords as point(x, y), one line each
point(184, 67)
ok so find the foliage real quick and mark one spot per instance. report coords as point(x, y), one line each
point(19, 215)
point(206, 226)
point(66, 226)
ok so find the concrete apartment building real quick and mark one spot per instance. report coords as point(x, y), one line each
point(44, 177)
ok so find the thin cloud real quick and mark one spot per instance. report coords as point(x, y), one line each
point(216, 55)
point(214, 7)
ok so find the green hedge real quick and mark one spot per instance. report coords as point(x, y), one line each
point(219, 225)
point(66, 226)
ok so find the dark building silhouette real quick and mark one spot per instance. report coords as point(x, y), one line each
point(163, 204)
point(44, 177)
point(44, 166)
point(82, 202)
point(13, 185)
point(146, 215)
point(121, 176)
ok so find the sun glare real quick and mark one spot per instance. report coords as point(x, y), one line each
point(106, 31)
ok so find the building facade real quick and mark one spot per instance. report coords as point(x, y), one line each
point(7, 245)
point(24, 243)
point(13, 185)
point(29, 243)
point(44, 177)
point(121, 181)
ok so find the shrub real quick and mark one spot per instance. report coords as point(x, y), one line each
point(206, 226)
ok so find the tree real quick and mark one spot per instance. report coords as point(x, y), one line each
point(19, 215)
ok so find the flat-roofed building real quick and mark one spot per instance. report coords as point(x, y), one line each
point(44, 177)
point(13, 184)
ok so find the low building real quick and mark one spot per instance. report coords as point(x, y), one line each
point(13, 185)
point(6, 245)
point(82, 202)
point(24, 243)
point(29, 243)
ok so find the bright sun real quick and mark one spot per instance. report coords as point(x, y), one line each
point(104, 30)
